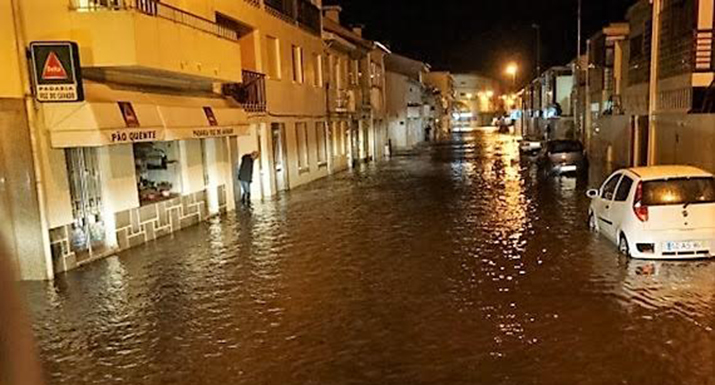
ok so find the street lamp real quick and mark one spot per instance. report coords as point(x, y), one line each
point(512, 70)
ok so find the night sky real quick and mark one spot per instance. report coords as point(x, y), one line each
point(480, 35)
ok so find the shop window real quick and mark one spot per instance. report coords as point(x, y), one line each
point(88, 229)
point(157, 171)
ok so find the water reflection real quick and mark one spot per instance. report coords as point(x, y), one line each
point(460, 264)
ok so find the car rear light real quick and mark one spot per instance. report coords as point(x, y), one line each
point(639, 208)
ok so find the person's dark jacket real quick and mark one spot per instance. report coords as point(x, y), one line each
point(245, 172)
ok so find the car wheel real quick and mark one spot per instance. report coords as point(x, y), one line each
point(623, 247)
point(592, 225)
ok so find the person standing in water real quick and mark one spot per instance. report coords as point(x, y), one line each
point(245, 176)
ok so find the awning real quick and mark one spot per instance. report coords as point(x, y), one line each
point(119, 116)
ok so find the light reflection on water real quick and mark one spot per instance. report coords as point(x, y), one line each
point(457, 265)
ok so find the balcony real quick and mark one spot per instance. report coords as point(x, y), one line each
point(309, 16)
point(251, 93)
point(284, 9)
point(299, 12)
point(158, 40)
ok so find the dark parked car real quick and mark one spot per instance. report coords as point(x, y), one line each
point(561, 157)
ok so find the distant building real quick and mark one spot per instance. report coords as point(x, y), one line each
point(409, 115)
point(355, 82)
point(476, 99)
point(443, 83)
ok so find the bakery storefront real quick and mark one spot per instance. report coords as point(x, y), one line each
point(134, 169)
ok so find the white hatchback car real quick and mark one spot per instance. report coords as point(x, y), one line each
point(660, 212)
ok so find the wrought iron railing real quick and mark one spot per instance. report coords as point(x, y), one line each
point(704, 50)
point(252, 92)
point(309, 16)
point(285, 8)
point(157, 9)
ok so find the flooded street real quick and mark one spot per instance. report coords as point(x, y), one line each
point(457, 265)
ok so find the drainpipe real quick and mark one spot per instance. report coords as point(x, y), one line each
point(653, 89)
point(32, 128)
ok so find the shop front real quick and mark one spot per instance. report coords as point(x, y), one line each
point(135, 171)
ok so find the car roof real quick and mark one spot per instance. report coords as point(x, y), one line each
point(668, 172)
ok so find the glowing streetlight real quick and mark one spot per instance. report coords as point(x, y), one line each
point(512, 69)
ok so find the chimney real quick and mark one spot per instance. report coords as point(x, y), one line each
point(332, 12)
point(357, 29)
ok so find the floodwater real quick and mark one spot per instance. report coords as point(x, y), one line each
point(456, 265)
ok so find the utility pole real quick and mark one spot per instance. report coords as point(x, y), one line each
point(653, 91)
point(537, 27)
point(577, 69)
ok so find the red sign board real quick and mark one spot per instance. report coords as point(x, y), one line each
point(56, 71)
point(130, 117)
point(53, 68)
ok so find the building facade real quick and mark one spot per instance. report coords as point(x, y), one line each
point(355, 83)
point(443, 84)
point(666, 107)
point(409, 114)
point(476, 100)
point(168, 111)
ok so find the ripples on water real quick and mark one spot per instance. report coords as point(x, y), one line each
point(455, 266)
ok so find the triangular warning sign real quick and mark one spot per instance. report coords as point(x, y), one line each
point(53, 69)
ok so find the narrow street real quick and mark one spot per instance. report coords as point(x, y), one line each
point(455, 265)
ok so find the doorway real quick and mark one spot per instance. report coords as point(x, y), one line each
point(640, 134)
point(355, 142)
point(235, 167)
point(279, 157)
point(88, 238)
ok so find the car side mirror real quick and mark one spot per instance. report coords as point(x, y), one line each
point(593, 193)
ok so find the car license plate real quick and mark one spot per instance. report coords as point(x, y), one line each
point(568, 168)
point(682, 246)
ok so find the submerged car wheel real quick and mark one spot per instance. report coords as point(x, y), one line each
point(623, 246)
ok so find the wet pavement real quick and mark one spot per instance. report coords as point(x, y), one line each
point(457, 265)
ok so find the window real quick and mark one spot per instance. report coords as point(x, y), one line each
point(609, 188)
point(157, 170)
point(679, 191)
point(353, 72)
point(624, 189)
point(321, 135)
point(337, 73)
point(273, 58)
point(298, 75)
point(301, 137)
point(317, 70)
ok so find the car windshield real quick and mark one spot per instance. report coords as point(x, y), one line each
point(562, 146)
point(679, 191)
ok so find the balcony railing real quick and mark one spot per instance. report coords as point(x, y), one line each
point(284, 8)
point(298, 12)
point(705, 50)
point(251, 93)
point(309, 16)
point(157, 9)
